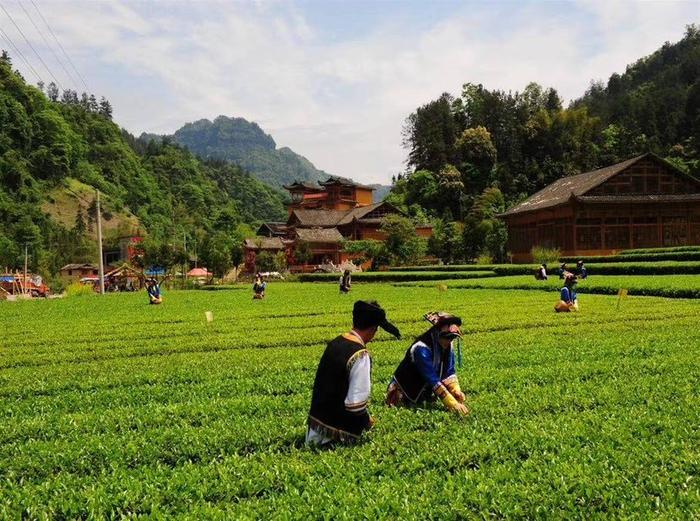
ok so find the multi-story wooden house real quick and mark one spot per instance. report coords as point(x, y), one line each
point(323, 216)
point(644, 202)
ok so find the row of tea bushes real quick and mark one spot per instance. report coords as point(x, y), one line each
point(510, 270)
point(638, 257)
point(111, 408)
point(674, 249)
point(669, 286)
point(615, 268)
point(396, 276)
point(449, 267)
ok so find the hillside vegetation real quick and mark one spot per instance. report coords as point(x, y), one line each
point(472, 156)
point(245, 144)
point(55, 152)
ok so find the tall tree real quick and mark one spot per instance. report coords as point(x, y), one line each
point(105, 109)
point(429, 134)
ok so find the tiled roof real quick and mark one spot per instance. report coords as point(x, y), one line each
point(319, 234)
point(304, 184)
point(320, 218)
point(83, 266)
point(277, 228)
point(334, 179)
point(561, 190)
point(638, 199)
point(264, 243)
point(358, 213)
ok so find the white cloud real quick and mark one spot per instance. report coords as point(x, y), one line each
point(342, 102)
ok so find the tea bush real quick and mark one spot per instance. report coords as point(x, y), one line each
point(111, 408)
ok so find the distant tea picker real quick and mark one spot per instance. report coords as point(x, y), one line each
point(568, 298)
point(345, 282)
point(259, 287)
point(155, 295)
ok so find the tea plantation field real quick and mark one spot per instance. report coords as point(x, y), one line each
point(113, 408)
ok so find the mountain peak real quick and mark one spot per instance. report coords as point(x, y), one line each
point(246, 144)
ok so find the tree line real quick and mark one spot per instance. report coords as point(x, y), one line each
point(50, 144)
point(472, 156)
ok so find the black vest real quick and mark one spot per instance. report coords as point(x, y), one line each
point(411, 381)
point(328, 414)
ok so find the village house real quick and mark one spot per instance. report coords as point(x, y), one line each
point(74, 272)
point(644, 202)
point(323, 216)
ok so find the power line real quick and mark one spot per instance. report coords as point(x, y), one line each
point(109, 206)
point(7, 38)
point(31, 46)
point(49, 46)
point(60, 46)
point(78, 196)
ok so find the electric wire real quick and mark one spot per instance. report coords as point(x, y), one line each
point(49, 46)
point(31, 47)
point(7, 38)
point(60, 46)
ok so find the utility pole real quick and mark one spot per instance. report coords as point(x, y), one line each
point(99, 246)
point(25, 285)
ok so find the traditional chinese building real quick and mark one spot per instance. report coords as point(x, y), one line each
point(644, 202)
point(323, 216)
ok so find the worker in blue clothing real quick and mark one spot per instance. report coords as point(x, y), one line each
point(563, 270)
point(427, 371)
point(153, 290)
point(581, 272)
point(567, 296)
point(259, 287)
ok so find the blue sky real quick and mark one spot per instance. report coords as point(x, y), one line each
point(333, 80)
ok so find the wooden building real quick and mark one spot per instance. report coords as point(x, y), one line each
point(644, 202)
point(252, 247)
point(336, 193)
point(323, 216)
point(74, 272)
point(272, 229)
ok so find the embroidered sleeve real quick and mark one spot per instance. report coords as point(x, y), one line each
point(423, 359)
point(359, 366)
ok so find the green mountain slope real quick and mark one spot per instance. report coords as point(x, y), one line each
point(54, 154)
point(655, 103)
point(245, 144)
point(238, 141)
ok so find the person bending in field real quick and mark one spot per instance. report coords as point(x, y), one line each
point(153, 290)
point(342, 385)
point(568, 299)
point(259, 287)
point(563, 270)
point(581, 272)
point(541, 273)
point(427, 371)
point(345, 282)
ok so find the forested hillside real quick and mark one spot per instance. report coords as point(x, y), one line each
point(655, 103)
point(55, 151)
point(245, 144)
point(472, 156)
